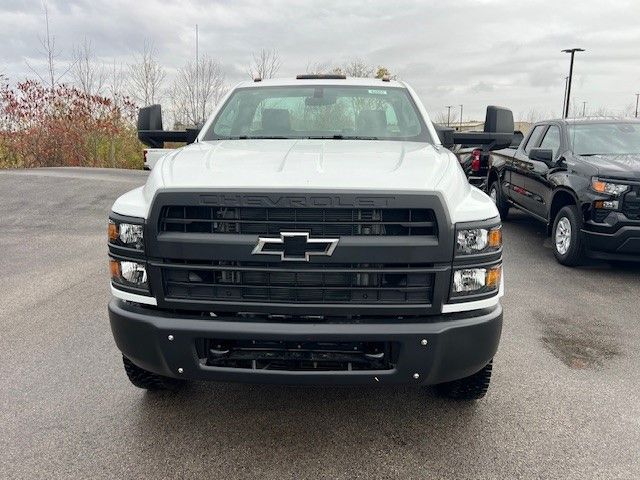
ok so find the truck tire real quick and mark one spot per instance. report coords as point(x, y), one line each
point(142, 378)
point(473, 387)
point(495, 192)
point(566, 237)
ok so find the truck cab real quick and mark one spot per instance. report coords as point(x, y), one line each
point(316, 230)
point(581, 177)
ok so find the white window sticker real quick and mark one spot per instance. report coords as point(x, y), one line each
point(378, 92)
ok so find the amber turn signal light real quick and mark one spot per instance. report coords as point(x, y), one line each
point(493, 277)
point(598, 186)
point(112, 231)
point(116, 271)
point(494, 239)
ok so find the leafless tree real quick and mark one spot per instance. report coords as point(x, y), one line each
point(317, 68)
point(356, 67)
point(198, 87)
point(603, 111)
point(441, 118)
point(533, 116)
point(628, 111)
point(146, 76)
point(88, 75)
point(116, 82)
point(265, 64)
point(48, 48)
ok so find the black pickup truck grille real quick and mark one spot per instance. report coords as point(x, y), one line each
point(631, 204)
point(319, 222)
point(220, 281)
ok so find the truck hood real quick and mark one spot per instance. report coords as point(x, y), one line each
point(308, 165)
point(615, 166)
point(304, 164)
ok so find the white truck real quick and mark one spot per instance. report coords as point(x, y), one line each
point(315, 230)
point(152, 155)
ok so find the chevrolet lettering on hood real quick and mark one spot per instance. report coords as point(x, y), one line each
point(293, 201)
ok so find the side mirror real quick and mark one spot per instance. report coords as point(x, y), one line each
point(498, 120)
point(150, 118)
point(544, 155)
point(150, 130)
point(498, 131)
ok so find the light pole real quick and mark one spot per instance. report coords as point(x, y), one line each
point(460, 117)
point(584, 104)
point(448, 107)
point(564, 97)
point(197, 93)
point(637, 95)
point(572, 51)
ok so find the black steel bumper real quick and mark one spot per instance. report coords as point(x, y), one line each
point(623, 243)
point(457, 345)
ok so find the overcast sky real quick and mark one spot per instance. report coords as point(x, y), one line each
point(452, 52)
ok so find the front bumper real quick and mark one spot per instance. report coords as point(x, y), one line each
point(457, 346)
point(619, 243)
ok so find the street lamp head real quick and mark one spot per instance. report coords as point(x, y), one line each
point(571, 50)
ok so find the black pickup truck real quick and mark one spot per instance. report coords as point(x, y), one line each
point(582, 178)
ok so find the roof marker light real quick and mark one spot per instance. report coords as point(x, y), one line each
point(321, 76)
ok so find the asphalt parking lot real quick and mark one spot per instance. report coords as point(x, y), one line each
point(564, 400)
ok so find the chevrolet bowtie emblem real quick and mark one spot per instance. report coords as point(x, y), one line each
point(295, 246)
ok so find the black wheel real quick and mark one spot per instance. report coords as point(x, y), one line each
point(495, 193)
point(142, 378)
point(473, 387)
point(566, 236)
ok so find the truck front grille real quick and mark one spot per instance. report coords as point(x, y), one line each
point(225, 281)
point(319, 222)
point(390, 253)
point(296, 355)
point(631, 204)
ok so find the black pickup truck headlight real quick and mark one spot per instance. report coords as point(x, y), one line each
point(609, 188)
point(476, 281)
point(471, 241)
point(127, 235)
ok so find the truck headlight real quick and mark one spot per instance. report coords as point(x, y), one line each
point(129, 274)
point(609, 188)
point(476, 281)
point(478, 240)
point(126, 234)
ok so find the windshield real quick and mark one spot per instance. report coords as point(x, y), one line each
point(621, 138)
point(334, 112)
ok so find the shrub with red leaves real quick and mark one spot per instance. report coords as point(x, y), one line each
point(62, 126)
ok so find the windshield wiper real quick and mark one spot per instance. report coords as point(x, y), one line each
point(318, 137)
point(260, 137)
point(341, 137)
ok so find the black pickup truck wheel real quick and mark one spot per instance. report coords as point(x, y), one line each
point(495, 193)
point(142, 378)
point(566, 237)
point(473, 387)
